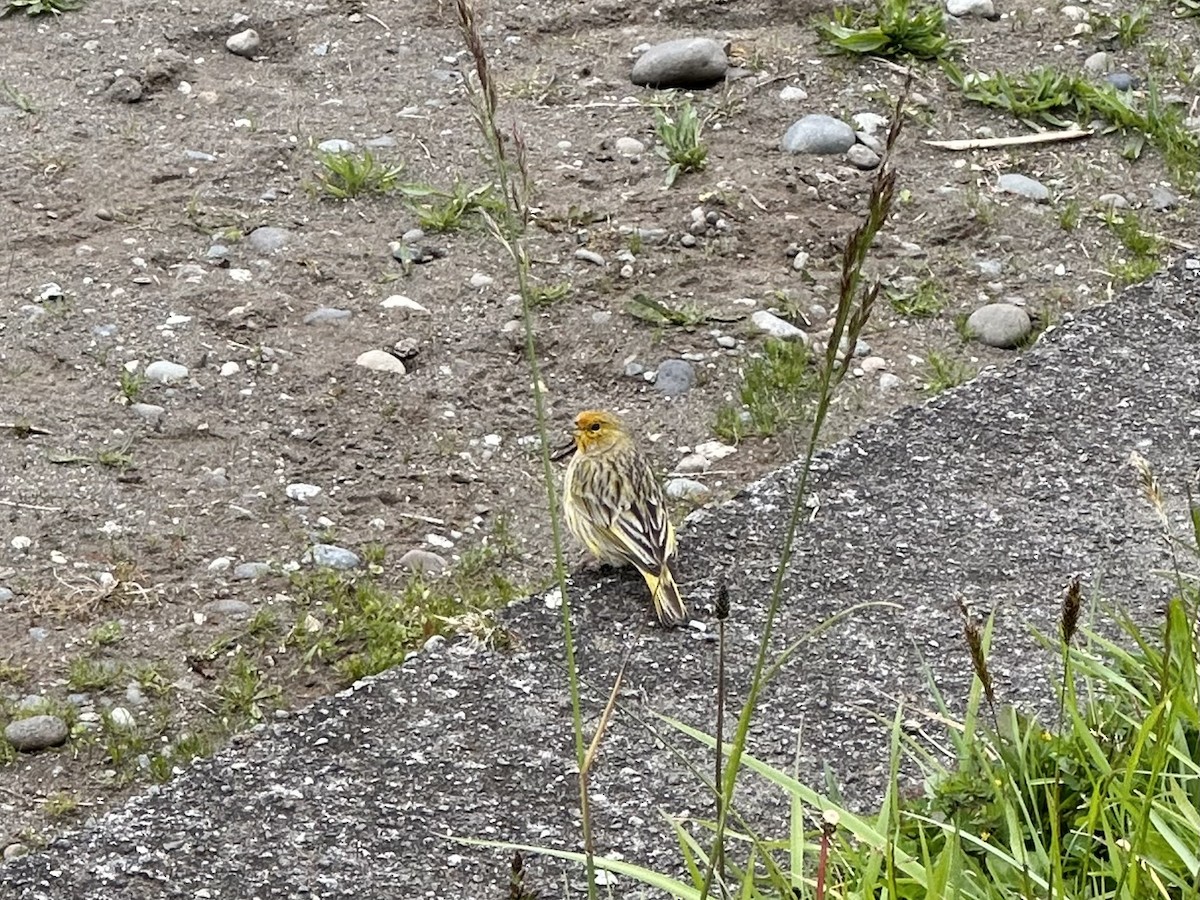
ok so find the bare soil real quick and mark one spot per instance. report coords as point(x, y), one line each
point(111, 517)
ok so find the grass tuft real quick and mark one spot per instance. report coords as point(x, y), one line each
point(893, 29)
point(680, 143)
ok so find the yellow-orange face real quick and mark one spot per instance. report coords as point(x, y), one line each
point(596, 429)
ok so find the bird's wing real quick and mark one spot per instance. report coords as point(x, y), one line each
point(642, 527)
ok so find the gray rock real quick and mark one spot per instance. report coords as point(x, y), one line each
point(819, 134)
point(675, 377)
point(890, 382)
point(773, 326)
point(32, 703)
point(148, 411)
point(999, 325)
point(244, 43)
point(323, 315)
point(984, 9)
point(1122, 81)
point(134, 695)
point(1163, 199)
point(1024, 186)
point(862, 157)
point(792, 94)
point(36, 733)
point(198, 156)
point(687, 489)
point(249, 571)
point(217, 253)
point(122, 719)
point(627, 146)
point(1112, 201)
point(331, 556)
point(227, 608)
point(336, 145)
point(125, 89)
point(633, 369)
point(165, 372)
point(106, 330)
point(990, 267)
point(1098, 63)
point(38, 634)
point(590, 256)
point(5, 595)
point(268, 239)
point(681, 63)
point(423, 562)
point(727, 341)
point(381, 142)
point(15, 851)
point(380, 361)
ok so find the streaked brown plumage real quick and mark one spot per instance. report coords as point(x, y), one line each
point(615, 506)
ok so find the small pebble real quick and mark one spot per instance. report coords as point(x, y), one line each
point(380, 361)
point(687, 489)
point(244, 43)
point(675, 377)
point(165, 372)
point(330, 556)
point(423, 562)
point(773, 326)
point(324, 314)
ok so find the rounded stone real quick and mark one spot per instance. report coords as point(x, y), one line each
point(681, 63)
point(165, 372)
point(819, 134)
point(380, 361)
point(1023, 186)
point(1000, 325)
point(674, 377)
point(423, 562)
point(244, 43)
point(36, 733)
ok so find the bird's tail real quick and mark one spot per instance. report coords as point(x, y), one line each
point(667, 601)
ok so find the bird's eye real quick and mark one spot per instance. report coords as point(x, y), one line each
point(595, 426)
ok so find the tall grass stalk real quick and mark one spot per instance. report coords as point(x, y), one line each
point(853, 311)
point(509, 231)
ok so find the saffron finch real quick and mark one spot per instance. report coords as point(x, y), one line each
point(615, 506)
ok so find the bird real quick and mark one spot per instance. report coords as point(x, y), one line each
point(615, 507)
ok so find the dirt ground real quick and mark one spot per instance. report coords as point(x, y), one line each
point(123, 524)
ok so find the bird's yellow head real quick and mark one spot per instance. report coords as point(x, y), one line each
point(597, 431)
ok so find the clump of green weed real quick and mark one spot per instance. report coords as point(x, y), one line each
point(778, 392)
point(1046, 96)
point(443, 211)
point(945, 372)
point(40, 7)
point(680, 141)
point(891, 29)
point(362, 627)
point(924, 301)
point(1144, 250)
point(343, 176)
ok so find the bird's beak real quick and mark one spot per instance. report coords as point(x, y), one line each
point(565, 450)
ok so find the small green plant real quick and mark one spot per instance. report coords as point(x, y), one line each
point(778, 392)
point(945, 372)
point(680, 142)
point(10, 674)
point(244, 694)
point(1143, 249)
point(344, 176)
point(444, 211)
point(106, 633)
point(924, 301)
point(13, 96)
point(1124, 30)
point(1069, 216)
point(40, 7)
point(86, 674)
point(890, 29)
point(60, 804)
point(155, 679)
point(123, 743)
point(648, 309)
point(549, 294)
point(116, 458)
point(131, 384)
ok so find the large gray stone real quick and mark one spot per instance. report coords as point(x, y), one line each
point(36, 733)
point(681, 63)
point(1000, 325)
point(819, 134)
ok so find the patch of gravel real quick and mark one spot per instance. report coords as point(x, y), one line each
point(996, 492)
